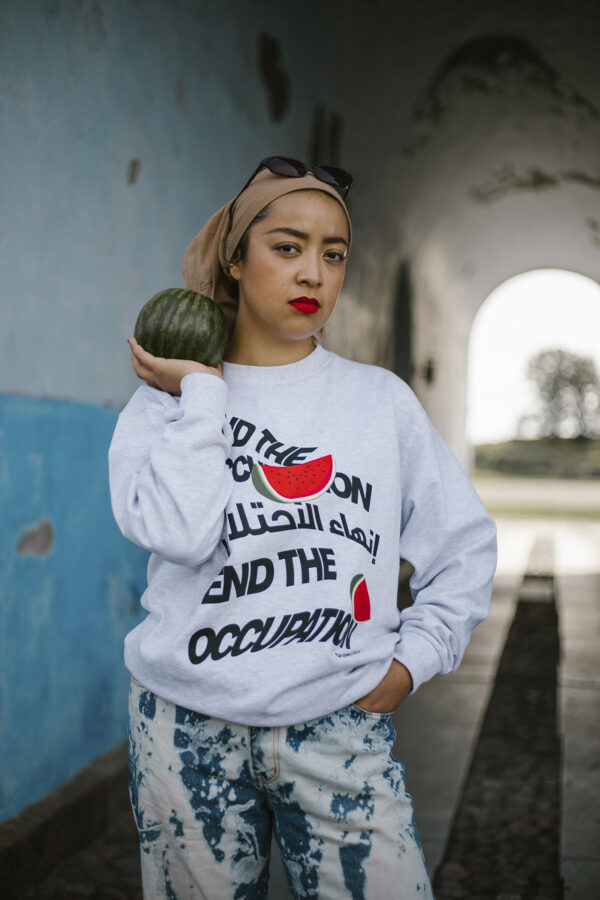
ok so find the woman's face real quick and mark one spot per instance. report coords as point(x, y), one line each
point(293, 269)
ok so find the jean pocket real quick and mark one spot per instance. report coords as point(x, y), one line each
point(370, 714)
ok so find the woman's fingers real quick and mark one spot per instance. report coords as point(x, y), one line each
point(143, 360)
point(140, 367)
point(142, 355)
point(165, 374)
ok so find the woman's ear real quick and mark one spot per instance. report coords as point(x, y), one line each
point(234, 271)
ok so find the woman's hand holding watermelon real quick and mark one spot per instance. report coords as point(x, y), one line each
point(166, 374)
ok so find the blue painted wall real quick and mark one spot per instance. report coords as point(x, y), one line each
point(123, 126)
point(70, 592)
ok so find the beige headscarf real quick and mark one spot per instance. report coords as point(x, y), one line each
point(205, 265)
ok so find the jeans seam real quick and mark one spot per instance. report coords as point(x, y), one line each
point(252, 731)
point(276, 732)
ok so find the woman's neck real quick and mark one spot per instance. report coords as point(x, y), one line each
point(265, 353)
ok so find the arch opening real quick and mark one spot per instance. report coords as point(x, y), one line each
point(537, 310)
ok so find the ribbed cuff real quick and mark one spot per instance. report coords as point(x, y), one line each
point(417, 654)
point(199, 390)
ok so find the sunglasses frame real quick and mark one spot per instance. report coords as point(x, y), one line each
point(300, 170)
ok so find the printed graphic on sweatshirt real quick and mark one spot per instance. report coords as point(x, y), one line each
point(361, 602)
point(328, 624)
point(287, 483)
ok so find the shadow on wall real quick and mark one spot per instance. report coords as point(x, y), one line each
point(401, 357)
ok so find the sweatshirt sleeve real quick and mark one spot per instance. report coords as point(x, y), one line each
point(169, 481)
point(450, 539)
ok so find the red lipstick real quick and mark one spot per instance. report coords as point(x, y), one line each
point(305, 304)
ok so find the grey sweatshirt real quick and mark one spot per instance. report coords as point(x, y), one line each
point(277, 503)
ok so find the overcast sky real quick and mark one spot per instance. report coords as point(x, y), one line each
point(541, 310)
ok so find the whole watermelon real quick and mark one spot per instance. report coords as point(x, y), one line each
point(180, 324)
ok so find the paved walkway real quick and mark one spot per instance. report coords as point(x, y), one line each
point(544, 495)
point(438, 728)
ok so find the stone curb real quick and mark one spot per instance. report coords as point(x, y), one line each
point(40, 837)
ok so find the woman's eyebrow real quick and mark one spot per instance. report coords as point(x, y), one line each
point(304, 235)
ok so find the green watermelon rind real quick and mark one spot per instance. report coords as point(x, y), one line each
point(259, 484)
point(354, 584)
point(262, 485)
point(178, 323)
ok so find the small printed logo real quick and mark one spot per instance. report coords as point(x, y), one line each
point(361, 602)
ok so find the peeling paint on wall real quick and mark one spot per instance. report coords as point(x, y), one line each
point(70, 592)
point(275, 79)
point(95, 31)
point(402, 362)
point(582, 178)
point(325, 137)
point(508, 180)
point(37, 541)
point(133, 170)
point(180, 95)
point(594, 228)
point(482, 66)
point(494, 65)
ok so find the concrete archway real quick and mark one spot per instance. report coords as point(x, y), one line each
point(495, 173)
point(555, 309)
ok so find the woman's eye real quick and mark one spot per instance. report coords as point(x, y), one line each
point(286, 248)
point(336, 256)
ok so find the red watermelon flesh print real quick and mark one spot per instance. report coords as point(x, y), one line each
point(289, 484)
point(361, 603)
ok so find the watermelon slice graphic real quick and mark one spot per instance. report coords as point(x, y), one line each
point(289, 484)
point(361, 604)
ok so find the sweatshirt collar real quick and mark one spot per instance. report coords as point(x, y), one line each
point(304, 367)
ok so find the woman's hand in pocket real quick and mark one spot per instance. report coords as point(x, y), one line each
point(394, 687)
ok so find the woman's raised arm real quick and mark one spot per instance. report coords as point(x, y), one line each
point(169, 480)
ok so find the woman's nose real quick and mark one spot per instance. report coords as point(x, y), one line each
point(310, 271)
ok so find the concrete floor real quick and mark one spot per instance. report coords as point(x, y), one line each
point(576, 546)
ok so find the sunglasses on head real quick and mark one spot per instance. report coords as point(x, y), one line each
point(293, 168)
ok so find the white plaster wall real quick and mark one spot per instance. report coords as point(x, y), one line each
point(502, 177)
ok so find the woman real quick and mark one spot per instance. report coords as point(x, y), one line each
point(277, 493)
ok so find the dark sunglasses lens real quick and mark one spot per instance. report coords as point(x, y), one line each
point(331, 175)
point(280, 165)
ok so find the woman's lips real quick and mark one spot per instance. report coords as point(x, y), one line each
point(305, 304)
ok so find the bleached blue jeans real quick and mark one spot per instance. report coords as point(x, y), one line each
point(207, 794)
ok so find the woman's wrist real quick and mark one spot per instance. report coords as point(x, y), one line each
point(391, 691)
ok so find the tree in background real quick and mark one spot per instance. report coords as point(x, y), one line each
point(568, 389)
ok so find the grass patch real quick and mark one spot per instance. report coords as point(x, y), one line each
point(546, 457)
